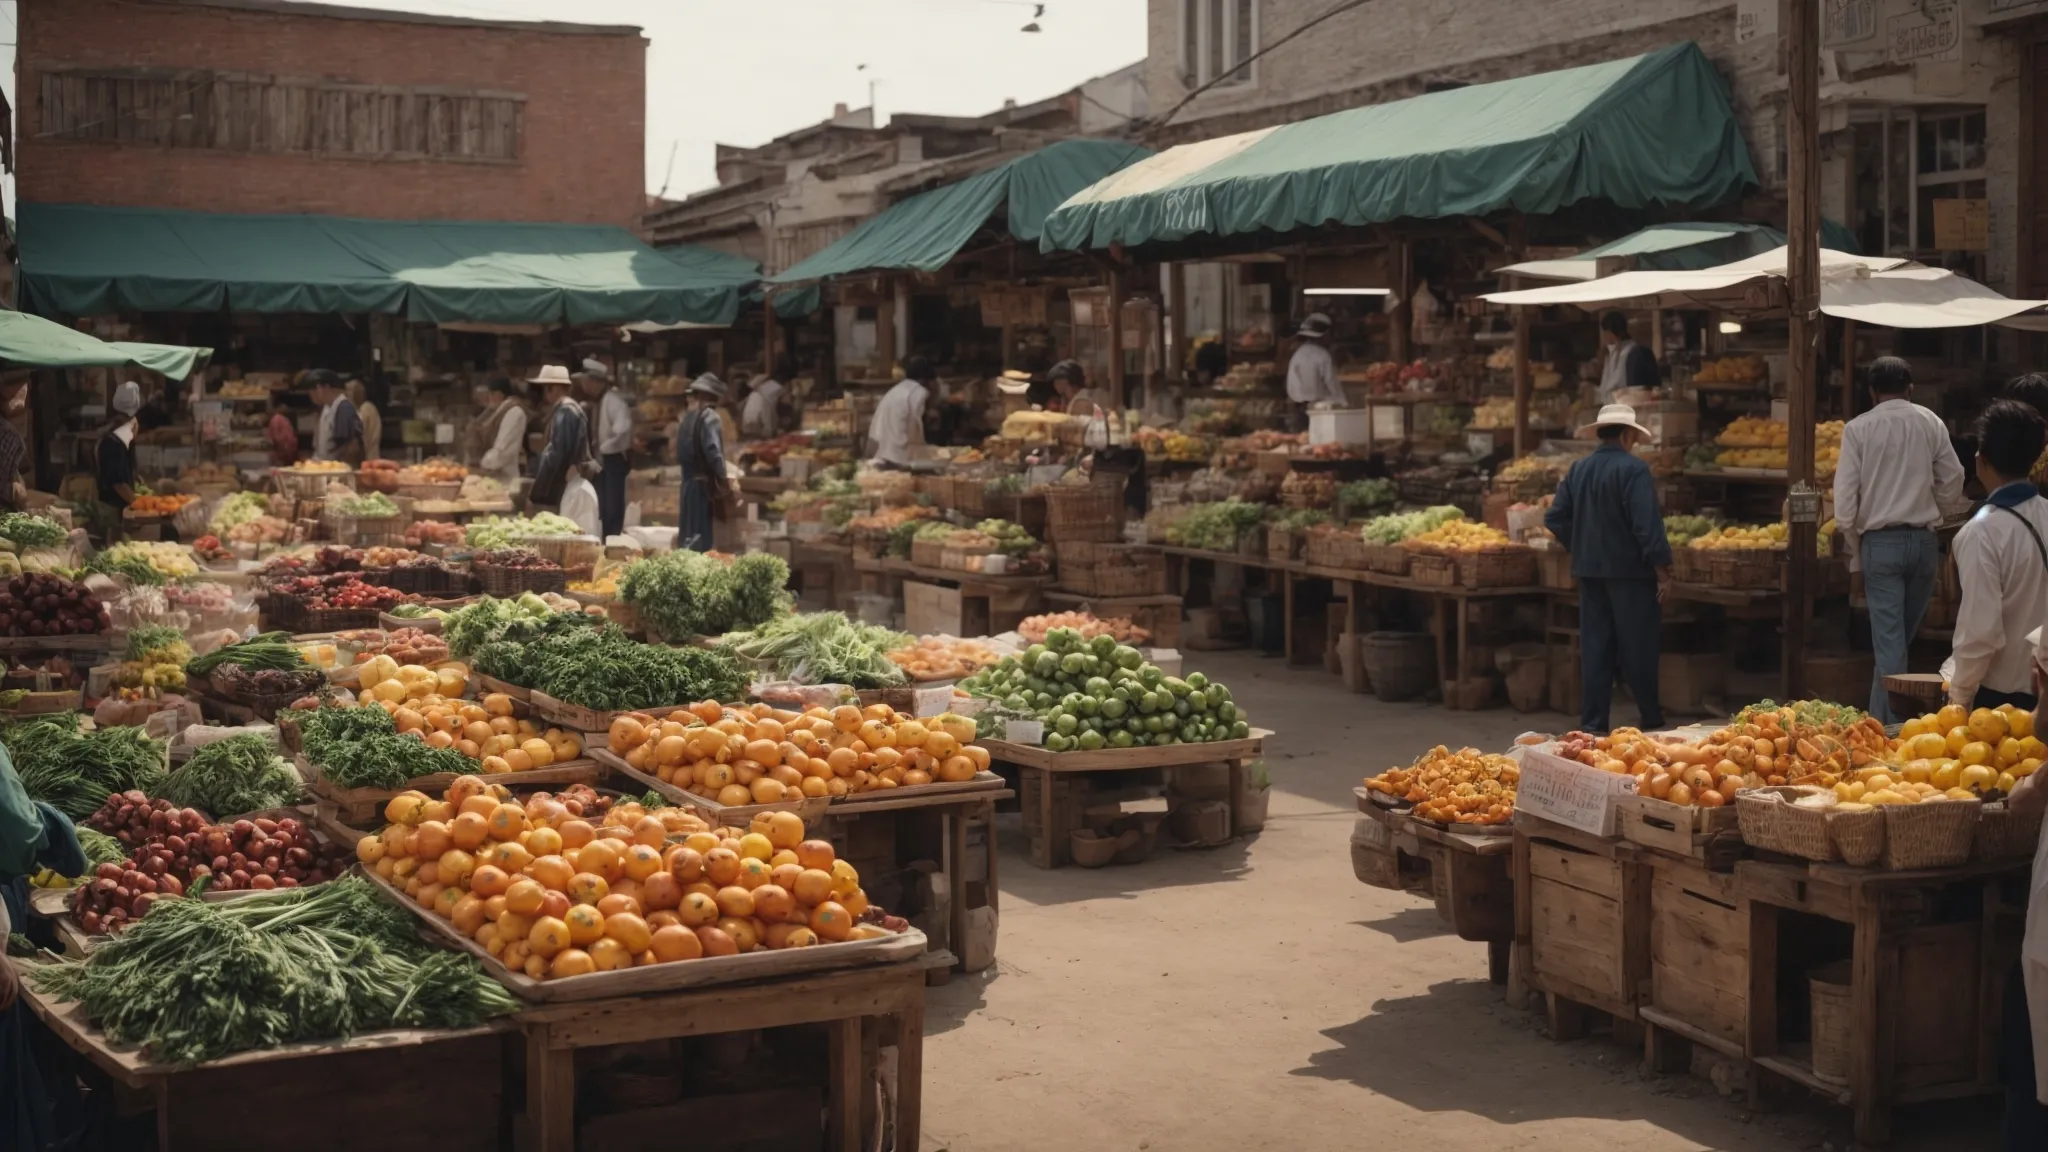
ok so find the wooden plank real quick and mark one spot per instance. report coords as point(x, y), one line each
point(876, 991)
point(843, 1128)
point(1575, 936)
point(1587, 873)
point(1662, 1021)
point(1116, 759)
point(550, 1091)
point(809, 808)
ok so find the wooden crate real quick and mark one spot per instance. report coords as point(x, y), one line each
point(809, 808)
point(1581, 922)
point(1707, 835)
point(1699, 963)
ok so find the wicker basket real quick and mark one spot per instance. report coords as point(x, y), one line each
point(1022, 509)
point(302, 485)
point(309, 620)
point(431, 490)
point(1746, 568)
point(1336, 549)
point(970, 496)
point(1390, 559)
point(1095, 512)
point(1510, 567)
point(1282, 544)
point(1132, 574)
point(1858, 837)
point(367, 531)
point(2002, 836)
point(424, 579)
point(1691, 565)
point(1769, 820)
point(568, 551)
point(1251, 542)
point(928, 553)
point(1834, 1015)
point(504, 583)
point(1554, 569)
point(1433, 569)
point(1930, 834)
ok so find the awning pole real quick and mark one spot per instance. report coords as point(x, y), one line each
point(1802, 230)
point(1116, 336)
point(1522, 381)
point(1397, 320)
point(1848, 369)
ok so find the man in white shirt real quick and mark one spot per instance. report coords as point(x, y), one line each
point(1898, 478)
point(614, 443)
point(2023, 1027)
point(1628, 364)
point(761, 417)
point(502, 432)
point(897, 430)
point(339, 434)
point(1311, 373)
point(2002, 563)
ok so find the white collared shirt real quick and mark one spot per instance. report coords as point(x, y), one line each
point(501, 460)
point(898, 424)
point(614, 424)
point(1312, 375)
point(757, 416)
point(1897, 467)
point(2005, 596)
point(126, 432)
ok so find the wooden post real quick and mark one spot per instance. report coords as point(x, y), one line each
point(900, 333)
point(1522, 381)
point(1397, 320)
point(1848, 369)
point(1116, 336)
point(1802, 228)
point(885, 328)
point(768, 336)
point(1176, 322)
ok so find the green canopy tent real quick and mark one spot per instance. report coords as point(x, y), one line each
point(33, 342)
point(78, 260)
point(1649, 131)
point(926, 231)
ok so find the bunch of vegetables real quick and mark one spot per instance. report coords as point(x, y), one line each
point(432, 532)
point(598, 667)
point(682, 594)
point(489, 618)
point(1215, 526)
point(362, 748)
point(196, 981)
point(263, 650)
point(1394, 528)
point(156, 656)
point(28, 531)
point(1119, 628)
point(146, 562)
point(518, 559)
point(1363, 496)
point(1683, 530)
point(238, 774)
point(73, 771)
point(501, 531)
point(343, 590)
point(237, 509)
point(1097, 693)
point(1302, 519)
point(1011, 539)
point(824, 648)
point(46, 605)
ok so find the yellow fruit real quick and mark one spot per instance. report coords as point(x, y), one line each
point(1918, 771)
point(1960, 794)
point(1950, 717)
point(1975, 752)
point(1988, 726)
point(2006, 782)
point(1976, 777)
point(2025, 768)
point(1945, 774)
point(1912, 728)
point(2022, 723)
point(1927, 746)
point(756, 845)
point(2009, 753)
point(1957, 737)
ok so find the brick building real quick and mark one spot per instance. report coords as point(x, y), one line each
point(268, 106)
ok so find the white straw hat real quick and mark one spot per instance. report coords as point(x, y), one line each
point(1620, 414)
point(550, 374)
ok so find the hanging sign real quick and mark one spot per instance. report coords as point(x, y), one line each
point(1928, 32)
point(1755, 19)
point(1847, 21)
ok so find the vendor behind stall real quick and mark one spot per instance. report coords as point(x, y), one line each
point(761, 417)
point(1311, 373)
point(568, 444)
point(282, 433)
point(501, 433)
point(1070, 381)
point(897, 430)
point(115, 457)
point(339, 434)
point(2002, 565)
point(1628, 364)
point(614, 436)
point(367, 414)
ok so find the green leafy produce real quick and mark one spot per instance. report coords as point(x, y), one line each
point(232, 776)
point(30, 531)
point(361, 748)
point(902, 536)
point(1010, 485)
point(99, 848)
point(1303, 518)
point(1215, 526)
point(1361, 497)
point(824, 648)
point(1095, 694)
point(1682, 530)
point(117, 561)
point(1806, 714)
point(502, 531)
point(684, 594)
point(196, 980)
point(74, 771)
point(149, 639)
point(371, 506)
point(598, 667)
point(1392, 529)
point(263, 650)
point(474, 625)
point(236, 510)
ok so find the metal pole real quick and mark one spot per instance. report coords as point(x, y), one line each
point(1802, 230)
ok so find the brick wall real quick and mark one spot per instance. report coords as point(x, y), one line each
point(582, 157)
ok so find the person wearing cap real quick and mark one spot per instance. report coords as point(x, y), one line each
point(501, 433)
point(115, 457)
point(1070, 380)
point(1628, 364)
point(13, 449)
point(2001, 558)
point(700, 450)
point(567, 448)
point(1897, 479)
point(614, 443)
point(1311, 373)
point(366, 413)
point(282, 433)
point(897, 429)
point(1605, 514)
point(339, 435)
point(761, 416)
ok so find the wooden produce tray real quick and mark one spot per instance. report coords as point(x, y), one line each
point(701, 973)
point(983, 782)
point(1711, 836)
point(490, 684)
point(726, 815)
point(1113, 759)
point(360, 805)
point(589, 719)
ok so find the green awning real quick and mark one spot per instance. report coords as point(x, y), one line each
point(927, 230)
point(1683, 246)
point(33, 342)
point(79, 261)
point(1654, 130)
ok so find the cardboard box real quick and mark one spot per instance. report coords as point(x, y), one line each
point(929, 609)
point(1569, 793)
point(1684, 680)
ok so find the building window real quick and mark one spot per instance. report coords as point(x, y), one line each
point(1218, 39)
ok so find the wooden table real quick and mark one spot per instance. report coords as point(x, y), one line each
point(831, 562)
point(1007, 599)
point(955, 811)
point(1041, 770)
point(1928, 957)
point(1471, 877)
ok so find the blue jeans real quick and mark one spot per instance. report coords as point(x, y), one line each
point(1898, 579)
point(1618, 624)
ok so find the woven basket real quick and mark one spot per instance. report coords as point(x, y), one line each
point(970, 496)
point(1433, 569)
point(1337, 548)
point(504, 583)
point(2002, 836)
point(1930, 834)
point(1510, 567)
point(1282, 544)
point(1691, 565)
point(1251, 542)
point(310, 485)
point(1747, 568)
point(1769, 821)
point(1554, 569)
point(929, 553)
point(431, 490)
point(1858, 837)
point(1133, 574)
point(427, 580)
point(1834, 1016)
point(568, 551)
point(1391, 559)
point(366, 531)
point(1095, 512)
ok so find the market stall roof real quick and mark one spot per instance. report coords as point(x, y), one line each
point(1679, 246)
point(1881, 290)
point(32, 342)
point(1648, 130)
point(929, 229)
point(78, 260)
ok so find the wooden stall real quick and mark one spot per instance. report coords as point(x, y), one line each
point(1468, 872)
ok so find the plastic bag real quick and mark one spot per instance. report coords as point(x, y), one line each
point(797, 697)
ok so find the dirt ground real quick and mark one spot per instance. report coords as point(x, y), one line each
point(1258, 994)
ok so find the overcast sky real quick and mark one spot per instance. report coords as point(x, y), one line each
point(746, 71)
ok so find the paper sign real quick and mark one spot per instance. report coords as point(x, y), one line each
point(1847, 21)
point(1962, 225)
point(931, 701)
point(1755, 19)
point(1479, 443)
point(1929, 32)
point(1570, 793)
point(1024, 731)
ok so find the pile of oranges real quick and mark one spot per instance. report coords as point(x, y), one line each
point(762, 755)
point(485, 731)
point(551, 894)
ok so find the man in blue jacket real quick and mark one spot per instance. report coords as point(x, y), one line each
point(1606, 515)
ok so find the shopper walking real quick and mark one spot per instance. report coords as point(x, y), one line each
point(372, 420)
point(614, 444)
point(1606, 515)
point(2002, 564)
point(761, 415)
point(567, 450)
point(282, 433)
point(339, 434)
point(700, 450)
point(1898, 478)
point(1311, 373)
point(114, 459)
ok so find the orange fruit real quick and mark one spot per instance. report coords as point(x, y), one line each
point(816, 854)
point(524, 896)
point(649, 830)
point(585, 925)
point(604, 858)
point(753, 873)
point(674, 942)
point(697, 909)
point(570, 962)
point(716, 942)
point(431, 839)
point(685, 863)
point(660, 891)
point(548, 937)
point(608, 955)
point(771, 902)
point(785, 829)
point(576, 833)
point(469, 830)
point(831, 921)
point(735, 901)
point(553, 872)
point(585, 888)
point(556, 904)
point(813, 887)
point(744, 935)
point(510, 855)
point(721, 866)
point(641, 861)
point(489, 880)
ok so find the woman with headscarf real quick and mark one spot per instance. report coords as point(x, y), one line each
point(700, 449)
point(13, 449)
point(115, 460)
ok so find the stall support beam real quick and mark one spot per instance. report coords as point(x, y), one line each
point(1848, 369)
point(1522, 382)
point(1176, 322)
point(1802, 228)
point(1116, 336)
point(1397, 320)
point(769, 336)
point(885, 328)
